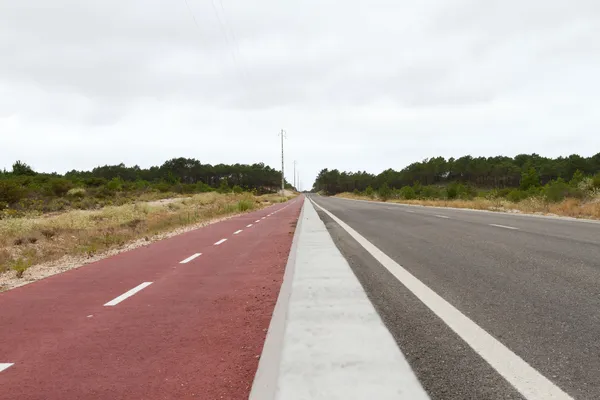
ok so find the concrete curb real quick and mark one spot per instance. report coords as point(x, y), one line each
point(264, 386)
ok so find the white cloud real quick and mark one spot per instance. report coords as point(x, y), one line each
point(358, 85)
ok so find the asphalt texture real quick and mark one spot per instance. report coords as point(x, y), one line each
point(535, 288)
point(196, 332)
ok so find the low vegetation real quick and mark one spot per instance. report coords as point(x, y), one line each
point(29, 240)
point(44, 217)
point(527, 183)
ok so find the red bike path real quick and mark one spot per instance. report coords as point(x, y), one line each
point(196, 332)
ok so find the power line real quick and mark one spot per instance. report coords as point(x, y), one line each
point(232, 33)
point(192, 14)
point(224, 32)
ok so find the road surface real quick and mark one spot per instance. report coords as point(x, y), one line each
point(183, 318)
point(502, 307)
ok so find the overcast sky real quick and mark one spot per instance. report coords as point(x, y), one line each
point(358, 85)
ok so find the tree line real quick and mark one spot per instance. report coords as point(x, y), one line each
point(476, 172)
point(23, 187)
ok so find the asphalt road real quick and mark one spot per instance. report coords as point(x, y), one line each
point(532, 283)
point(183, 318)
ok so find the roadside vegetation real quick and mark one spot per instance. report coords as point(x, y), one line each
point(44, 217)
point(526, 183)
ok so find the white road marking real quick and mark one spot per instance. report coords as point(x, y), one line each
point(236, 232)
point(263, 217)
point(504, 226)
point(528, 381)
point(408, 211)
point(90, 316)
point(190, 258)
point(441, 216)
point(257, 221)
point(220, 241)
point(4, 366)
point(130, 293)
point(248, 226)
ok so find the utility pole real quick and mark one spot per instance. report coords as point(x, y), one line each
point(296, 187)
point(282, 133)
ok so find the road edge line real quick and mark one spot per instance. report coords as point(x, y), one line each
point(506, 213)
point(264, 386)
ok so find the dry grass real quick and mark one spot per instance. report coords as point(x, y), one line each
point(569, 207)
point(31, 240)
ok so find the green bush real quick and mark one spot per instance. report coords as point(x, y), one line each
point(577, 178)
point(245, 205)
point(59, 186)
point(596, 180)
point(76, 193)
point(369, 192)
point(558, 190)
point(384, 192)
point(115, 184)
point(408, 193)
point(11, 192)
point(162, 187)
point(224, 187)
point(236, 189)
point(516, 195)
point(430, 192)
point(529, 179)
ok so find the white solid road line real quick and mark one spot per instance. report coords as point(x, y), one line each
point(504, 226)
point(4, 366)
point(190, 258)
point(248, 226)
point(528, 381)
point(441, 216)
point(125, 295)
point(220, 241)
point(236, 232)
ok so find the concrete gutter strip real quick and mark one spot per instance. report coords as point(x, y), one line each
point(334, 344)
point(264, 386)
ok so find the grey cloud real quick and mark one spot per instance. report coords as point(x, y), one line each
point(358, 85)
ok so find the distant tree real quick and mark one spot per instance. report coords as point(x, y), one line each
point(529, 179)
point(20, 168)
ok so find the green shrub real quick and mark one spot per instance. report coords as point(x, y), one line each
point(529, 179)
point(224, 187)
point(596, 180)
point(577, 178)
point(369, 192)
point(384, 192)
point(202, 187)
point(162, 187)
point(76, 193)
point(245, 205)
point(430, 192)
point(11, 192)
point(408, 193)
point(517, 195)
point(558, 190)
point(115, 184)
point(20, 266)
point(236, 189)
point(59, 186)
